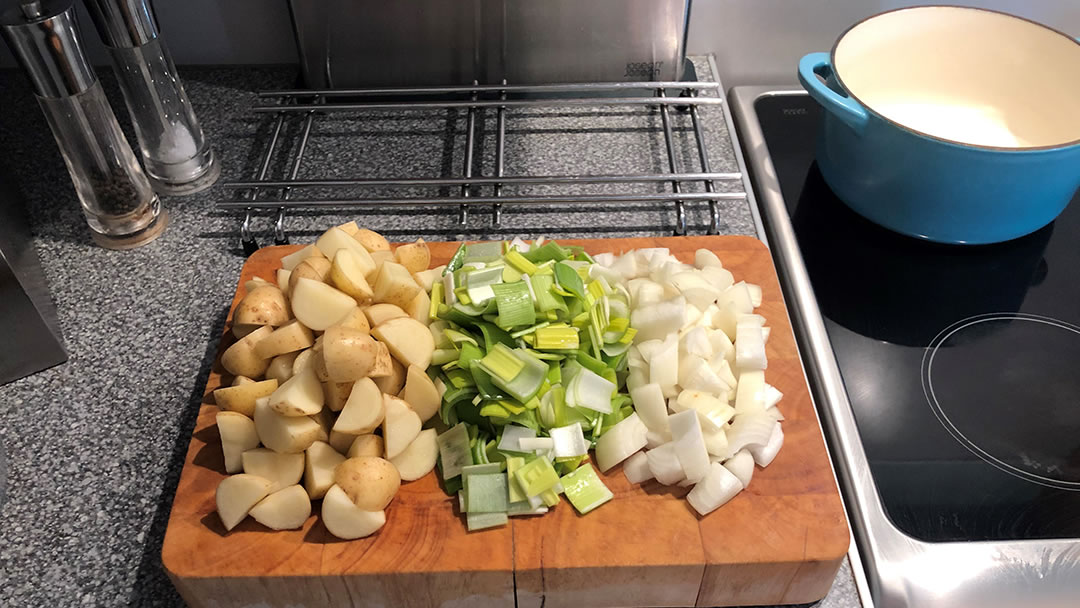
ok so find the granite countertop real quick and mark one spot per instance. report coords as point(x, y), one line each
point(95, 446)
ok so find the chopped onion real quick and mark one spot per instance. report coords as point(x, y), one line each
point(775, 412)
point(715, 489)
point(695, 287)
point(664, 366)
point(721, 344)
point(532, 444)
point(605, 259)
point(636, 378)
point(738, 295)
point(664, 464)
point(742, 466)
point(716, 442)
point(636, 468)
point(723, 369)
point(512, 436)
point(696, 342)
point(750, 320)
point(690, 319)
point(750, 349)
point(764, 454)
point(698, 400)
point(603, 273)
point(750, 392)
point(644, 292)
point(656, 321)
point(654, 440)
point(649, 405)
point(569, 441)
point(750, 429)
point(719, 278)
point(704, 258)
point(647, 253)
point(695, 374)
point(620, 442)
point(724, 320)
point(689, 444)
point(755, 294)
point(648, 348)
point(772, 396)
point(626, 265)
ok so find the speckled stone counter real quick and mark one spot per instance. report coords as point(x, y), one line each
point(94, 446)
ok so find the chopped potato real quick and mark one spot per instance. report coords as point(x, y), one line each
point(236, 495)
point(284, 434)
point(349, 274)
point(316, 269)
point(415, 257)
point(400, 425)
point(378, 314)
point(367, 445)
point(409, 341)
point(319, 467)
point(371, 240)
point(240, 359)
point(265, 305)
point(301, 395)
point(285, 509)
point(363, 411)
point(281, 470)
point(288, 338)
point(420, 393)
point(418, 459)
point(349, 354)
point(318, 305)
point(345, 520)
point(238, 435)
point(394, 381)
point(241, 398)
point(337, 393)
point(369, 481)
point(395, 285)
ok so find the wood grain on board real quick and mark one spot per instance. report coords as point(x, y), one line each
point(780, 541)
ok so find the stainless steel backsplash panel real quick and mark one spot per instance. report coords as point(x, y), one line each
point(354, 43)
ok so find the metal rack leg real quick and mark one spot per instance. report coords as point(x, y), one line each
point(703, 157)
point(470, 145)
point(280, 237)
point(247, 238)
point(500, 156)
point(669, 142)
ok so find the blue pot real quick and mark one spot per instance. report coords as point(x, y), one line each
point(950, 124)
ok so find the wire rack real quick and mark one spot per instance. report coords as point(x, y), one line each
point(470, 189)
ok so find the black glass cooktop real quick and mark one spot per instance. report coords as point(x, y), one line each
point(962, 363)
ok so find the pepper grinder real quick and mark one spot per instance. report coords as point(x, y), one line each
point(177, 157)
point(120, 206)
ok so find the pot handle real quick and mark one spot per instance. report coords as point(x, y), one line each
point(845, 108)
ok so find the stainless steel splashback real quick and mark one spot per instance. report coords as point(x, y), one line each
point(353, 43)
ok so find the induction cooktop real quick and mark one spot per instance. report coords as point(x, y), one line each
point(948, 378)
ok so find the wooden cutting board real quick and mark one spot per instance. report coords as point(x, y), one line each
point(780, 541)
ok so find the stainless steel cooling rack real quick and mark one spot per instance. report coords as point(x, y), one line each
point(471, 190)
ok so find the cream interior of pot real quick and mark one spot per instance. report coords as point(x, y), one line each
point(965, 75)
